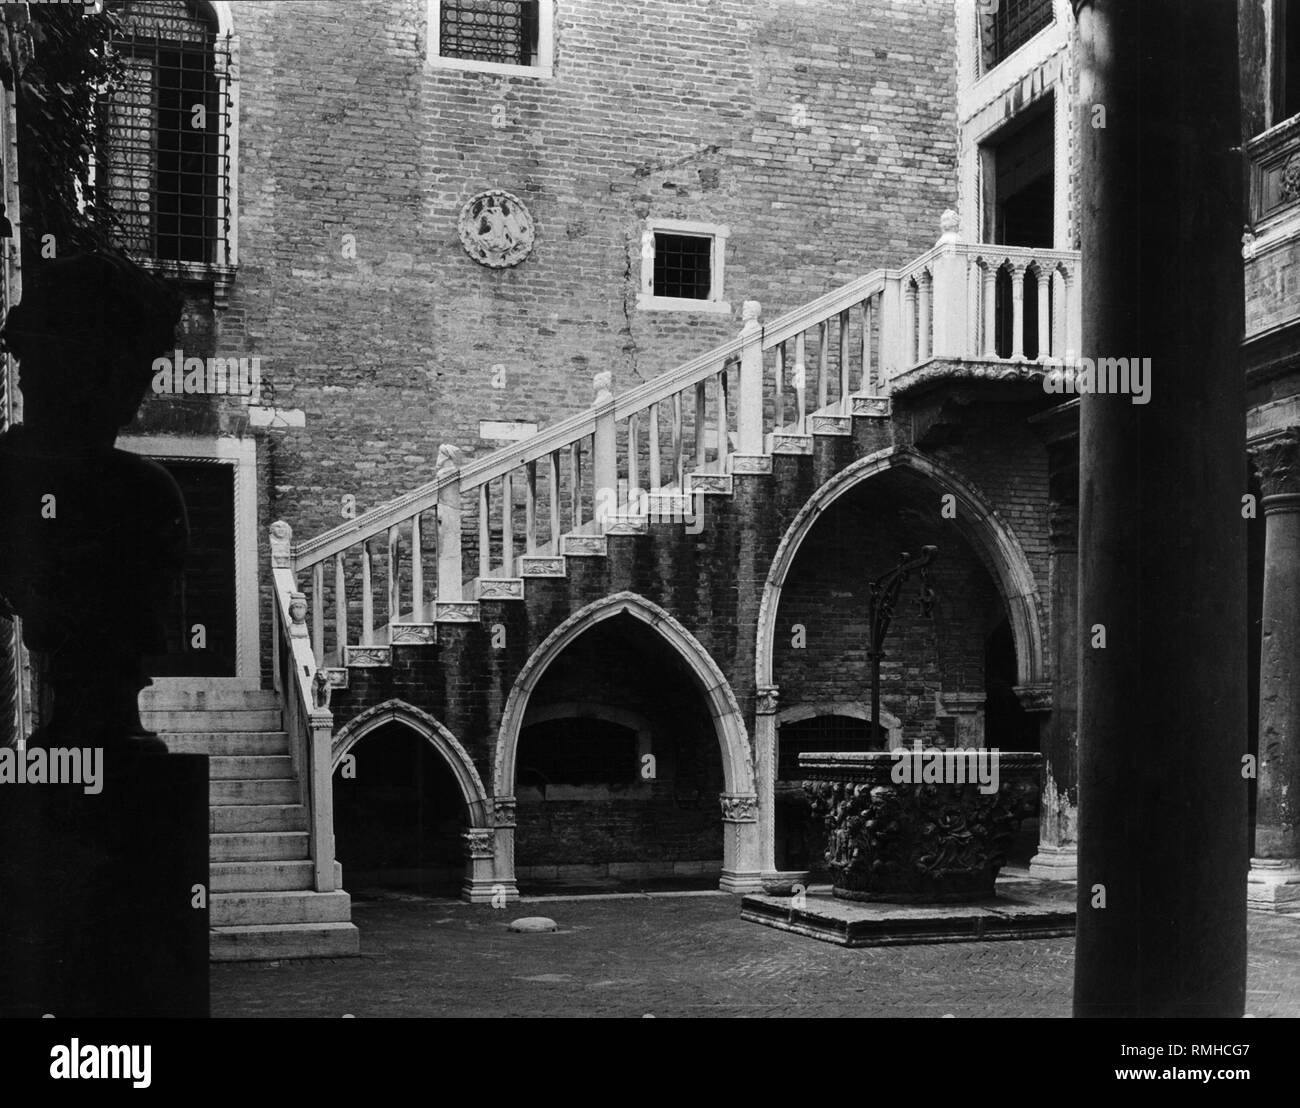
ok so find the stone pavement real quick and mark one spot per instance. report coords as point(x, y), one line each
point(678, 955)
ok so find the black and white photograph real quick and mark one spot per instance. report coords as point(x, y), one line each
point(623, 509)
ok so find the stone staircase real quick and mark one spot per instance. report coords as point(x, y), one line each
point(261, 897)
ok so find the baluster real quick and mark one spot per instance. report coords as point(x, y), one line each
point(633, 452)
point(844, 360)
point(867, 384)
point(484, 532)
point(909, 324)
point(507, 524)
point(1044, 313)
point(451, 576)
point(394, 578)
point(656, 469)
point(417, 572)
point(723, 424)
point(318, 612)
point(1018, 311)
point(553, 481)
point(778, 391)
point(340, 606)
point(367, 598)
point(699, 425)
point(530, 508)
point(823, 342)
point(923, 321)
point(575, 486)
point(801, 383)
point(990, 310)
point(679, 455)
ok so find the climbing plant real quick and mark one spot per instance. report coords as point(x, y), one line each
point(58, 62)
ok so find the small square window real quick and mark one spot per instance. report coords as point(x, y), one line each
point(681, 266)
point(493, 36)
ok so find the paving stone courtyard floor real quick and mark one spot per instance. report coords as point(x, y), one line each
point(681, 954)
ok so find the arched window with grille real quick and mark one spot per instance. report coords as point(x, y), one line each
point(169, 136)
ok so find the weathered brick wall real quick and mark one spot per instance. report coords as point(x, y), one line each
point(820, 133)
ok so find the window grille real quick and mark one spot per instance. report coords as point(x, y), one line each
point(683, 266)
point(821, 734)
point(503, 31)
point(167, 146)
point(1014, 23)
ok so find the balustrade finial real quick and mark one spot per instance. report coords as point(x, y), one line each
point(602, 385)
point(949, 226)
point(298, 613)
point(281, 537)
point(750, 314)
point(449, 459)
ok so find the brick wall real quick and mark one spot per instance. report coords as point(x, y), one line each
point(821, 133)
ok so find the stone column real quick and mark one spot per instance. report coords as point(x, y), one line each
point(1274, 880)
point(765, 769)
point(1058, 814)
point(1163, 850)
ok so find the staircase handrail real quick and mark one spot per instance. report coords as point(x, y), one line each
point(557, 436)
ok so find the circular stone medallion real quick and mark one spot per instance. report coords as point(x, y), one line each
point(496, 229)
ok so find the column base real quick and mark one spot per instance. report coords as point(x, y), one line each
point(739, 883)
point(1273, 885)
point(1055, 863)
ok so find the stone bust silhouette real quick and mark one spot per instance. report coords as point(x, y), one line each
point(91, 537)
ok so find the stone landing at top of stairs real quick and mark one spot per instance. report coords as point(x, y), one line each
point(262, 903)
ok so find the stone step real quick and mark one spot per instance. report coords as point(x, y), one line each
point(263, 767)
point(246, 909)
point(215, 719)
point(223, 744)
point(246, 818)
point(175, 694)
point(240, 846)
point(265, 875)
point(279, 790)
point(285, 940)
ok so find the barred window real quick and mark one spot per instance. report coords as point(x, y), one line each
point(1006, 25)
point(167, 152)
point(682, 266)
point(833, 734)
point(489, 30)
point(491, 35)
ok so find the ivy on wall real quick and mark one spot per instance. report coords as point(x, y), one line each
point(58, 62)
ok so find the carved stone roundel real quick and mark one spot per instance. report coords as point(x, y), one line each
point(496, 229)
point(1290, 180)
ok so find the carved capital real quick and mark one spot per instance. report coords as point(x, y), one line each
point(1034, 698)
point(480, 842)
point(767, 699)
point(503, 811)
point(1277, 461)
point(281, 538)
point(739, 808)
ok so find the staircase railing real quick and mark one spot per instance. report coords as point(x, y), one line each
point(514, 512)
point(307, 721)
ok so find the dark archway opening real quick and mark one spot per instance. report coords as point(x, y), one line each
point(619, 770)
point(398, 821)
